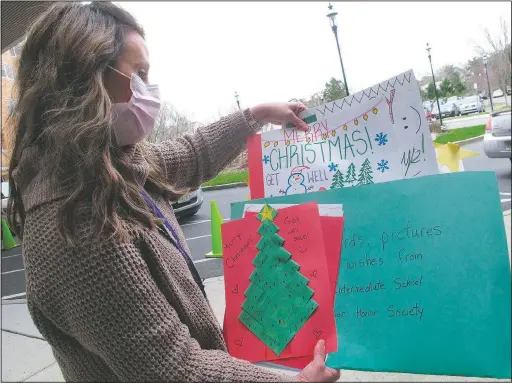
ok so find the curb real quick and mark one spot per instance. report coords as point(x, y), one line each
point(225, 186)
point(477, 138)
point(505, 213)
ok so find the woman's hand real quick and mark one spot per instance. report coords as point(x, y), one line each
point(316, 371)
point(280, 114)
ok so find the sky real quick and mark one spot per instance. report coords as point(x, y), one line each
point(202, 52)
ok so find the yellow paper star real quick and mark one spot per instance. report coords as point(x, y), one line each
point(345, 127)
point(275, 144)
point(287, 142)
point(267, 144)
point(375, 110)
point(266, 213)
point(450, 155)
point(333, 133)
point(324, 136)
point(356, 122)
point(365, 117)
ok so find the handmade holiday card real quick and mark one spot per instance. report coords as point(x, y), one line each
point(424, 281)
point(331, 218)
point(278, 294)
point(376, 135)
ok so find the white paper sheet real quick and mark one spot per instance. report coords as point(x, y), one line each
point(376, 135)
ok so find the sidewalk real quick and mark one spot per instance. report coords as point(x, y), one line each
point(26, 357)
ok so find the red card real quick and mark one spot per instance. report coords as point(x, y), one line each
point(239, 240)
point(332, 230)
point(254, 154)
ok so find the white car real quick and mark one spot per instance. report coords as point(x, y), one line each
point(497, 93)
point(188, 204)
point(497, 135)
point(471, 104)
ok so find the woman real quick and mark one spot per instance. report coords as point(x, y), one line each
point(110, 283)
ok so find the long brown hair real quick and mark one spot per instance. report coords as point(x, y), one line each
point(63, 108)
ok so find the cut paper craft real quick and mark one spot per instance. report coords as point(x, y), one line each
point(451, 155)
point(379, 134)
point(332, 231)
point(301, 232)
point(424, 283)
point(278, 300)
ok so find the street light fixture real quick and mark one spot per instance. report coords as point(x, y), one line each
point(237, 99)
point(332, 18)
point(435, 86)
point(488, 85)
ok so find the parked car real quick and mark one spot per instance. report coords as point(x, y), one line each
point(509, 91)
point(497, 135)
point(448, 109)
point(471, 104)
point(497, 93)
point(188, 204)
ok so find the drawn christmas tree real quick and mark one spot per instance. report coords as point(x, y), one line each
point(278, 300)
point(337, 180)
point(365, 174)
point(351, 174)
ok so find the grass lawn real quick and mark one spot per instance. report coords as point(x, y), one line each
point(461, 134)
point(228, 177)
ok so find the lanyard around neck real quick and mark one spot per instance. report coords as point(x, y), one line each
point(176, 240)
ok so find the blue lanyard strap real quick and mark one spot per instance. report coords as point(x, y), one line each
point(169, 227)
point(176, 240)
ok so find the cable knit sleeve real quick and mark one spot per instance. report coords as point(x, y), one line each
point(196, 158)
point(117, 312)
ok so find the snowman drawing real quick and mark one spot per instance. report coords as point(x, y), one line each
point(296, 181)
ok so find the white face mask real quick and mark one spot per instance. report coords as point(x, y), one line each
point(136, 118)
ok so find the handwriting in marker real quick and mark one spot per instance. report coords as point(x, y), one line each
point(313, 273)
point(235, 290)
point(239, 342)
point(317, 333)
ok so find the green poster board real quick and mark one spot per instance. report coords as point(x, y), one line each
point(424, 280)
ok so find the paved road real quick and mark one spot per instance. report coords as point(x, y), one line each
point(500, 165)
point(197, 228)
point(464, 122)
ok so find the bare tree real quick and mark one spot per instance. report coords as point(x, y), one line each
point(170, 124)
point(499, 56)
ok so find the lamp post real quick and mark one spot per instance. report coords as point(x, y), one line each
point(488, 85)
point(237, 99)
point(332, 17)
point(435, 86)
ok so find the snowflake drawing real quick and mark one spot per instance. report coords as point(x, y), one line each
point(382, 166)
point(333, 167)
point(381, 138)
point(266, 159)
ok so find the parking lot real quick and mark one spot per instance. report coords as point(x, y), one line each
point(198, 233)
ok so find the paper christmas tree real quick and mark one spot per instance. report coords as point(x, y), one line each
point(278, 300)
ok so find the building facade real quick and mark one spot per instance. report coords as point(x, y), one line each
point(9, 58)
